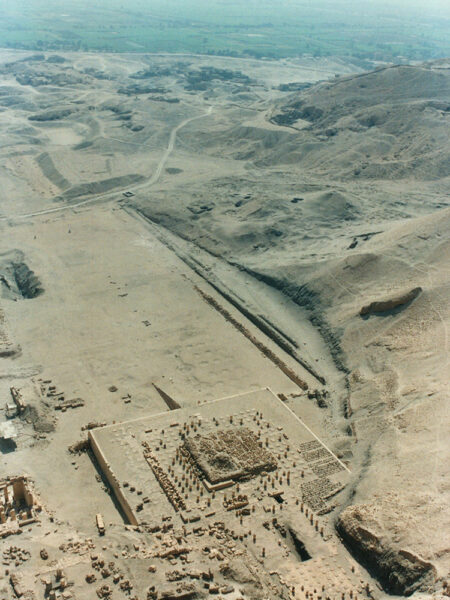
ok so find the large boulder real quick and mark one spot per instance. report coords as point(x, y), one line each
point(388, 304)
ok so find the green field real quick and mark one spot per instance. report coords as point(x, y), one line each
point(260, 28)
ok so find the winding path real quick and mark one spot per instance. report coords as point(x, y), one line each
point(171, 145)
point(154, 178)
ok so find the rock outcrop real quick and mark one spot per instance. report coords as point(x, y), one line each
point(386, 304)
point(398, 570)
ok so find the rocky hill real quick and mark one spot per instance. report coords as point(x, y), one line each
point(386, 124)
point(343, 207)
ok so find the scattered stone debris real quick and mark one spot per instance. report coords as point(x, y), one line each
point(229, 454)
point(104, 591)
point(79, 447)
point(15, 555)
point(19, 589)
point(74, 403)
point(93, 425)
point(320, 396)
point(55, 582)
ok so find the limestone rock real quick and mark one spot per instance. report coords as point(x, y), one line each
point(398, 570)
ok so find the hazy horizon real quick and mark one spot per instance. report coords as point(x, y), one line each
point(367, 30)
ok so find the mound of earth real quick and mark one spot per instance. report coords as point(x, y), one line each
point(49, 170)
point(102, 186)
point(40, 417)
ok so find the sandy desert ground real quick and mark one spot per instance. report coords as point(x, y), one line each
point(179, 229)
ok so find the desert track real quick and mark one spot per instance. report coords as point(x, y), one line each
point(111, 196)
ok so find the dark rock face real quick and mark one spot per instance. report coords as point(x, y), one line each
point(390, 303)
point(296, 111)
point(52, 114)
point(399, 571)
point(27, 282)
point(199, 79)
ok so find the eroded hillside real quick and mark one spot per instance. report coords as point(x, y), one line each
point(343, 207)
point(262, 248)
